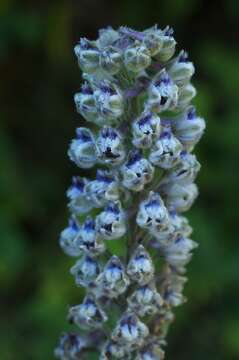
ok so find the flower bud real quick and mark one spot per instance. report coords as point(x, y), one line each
point(181, 69)
point(136, 172)
point(109, 101)
point(130, 331)
point(151, 350)
point(185, 94)
point(179, 197)
point(162, 93)
point(68, 236)
point(111, 222)
point(113, 279)
point(140, 267)
point(104, 189)
point(79, 203)
point(153, 40)
point(152, 214)
point(115, 350)
point(88, 55)
point(85, 271)
point(173, 289)
point(137, 58)
point(107, 37)
point(88, 240)
point(166, 151)
point(185, 170)
point(189, 128)
point(110, 60)
point(180, 224)
point(168, 48)
point(110, 148)
point(178, 253)
point(87, 314)
point(70, 346)
point(145, 300)
point(85, 103)
point(82, 149)
point(145, 129)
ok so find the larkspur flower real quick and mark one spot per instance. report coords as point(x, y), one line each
point(126, 227)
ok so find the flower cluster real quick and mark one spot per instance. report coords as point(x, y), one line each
point(142, 129)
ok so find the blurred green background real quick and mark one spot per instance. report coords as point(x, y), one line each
point(39, 76)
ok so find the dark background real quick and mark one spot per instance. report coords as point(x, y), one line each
point(39, 76)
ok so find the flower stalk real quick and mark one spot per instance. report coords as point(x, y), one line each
point(126, 227)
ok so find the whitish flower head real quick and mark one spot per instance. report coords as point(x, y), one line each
point(110, 148)
point(185, 171)
point(113, 280)
point(180, 224)
point(145, 300)
point(162, 93)
point(88, 55)
point(77, 194)
point(145, 129)
point(179, 197)
point(152, 350)
point(85, 271)
point(111, 222)
point(181, 69)
point(185, 94)
point(137, 57)
point(68, 236)
point(179, 252)
point(108, 101)
point(88, 240)
point(189, 128)
point(87, 314)
point(103, 189)
point(82, 149)
point(85, 103)
point(70, 346)
point(130, 330)
point(168, 48)
point(140, 267)
point(166, 151)
point(137, 171)
point(152, 214)
point(115, 350)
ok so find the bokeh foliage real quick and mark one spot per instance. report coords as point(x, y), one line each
point(39, 76)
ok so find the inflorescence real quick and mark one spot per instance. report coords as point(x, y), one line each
point(126, 227)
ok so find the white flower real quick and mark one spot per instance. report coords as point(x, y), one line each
point(152, 214)
point(168, 48)
point(145, 300)
point(79, 203)
point(113, 280)
point(189, 128)
point(68, 236)
point(130, 331)
point(82, 149)
point(110, 223)
point(88, 239)
point(137, 57)
point(166, 151)
point(152, 350)
point(70, 346)
point(185, 94)
point(145, 129)
point(185, 171)
point(88, 55)
point(181, 69)
point(87, 314)
point(111, 60)
point(110, 148)
point(173, 289)
point(136, 172)
point(115, 350)
point(140, 267)
point(179, 197)
point(153, 40)
point(104, 189)
point(162, 93)
point(85, 271)
point(85, 103)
